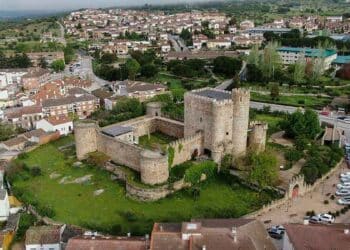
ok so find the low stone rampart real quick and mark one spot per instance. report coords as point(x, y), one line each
point(186, 148)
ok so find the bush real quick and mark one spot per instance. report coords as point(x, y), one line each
point(97, 159)
point(332, 197)
point(326, 202)
point(310, 213)
point(337, 213)
point(35, 171)
point(46, 210)
point(293, 155)
point(193, 174)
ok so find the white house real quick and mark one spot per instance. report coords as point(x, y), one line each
point(44, 238)
point(4, 199)
point(61, 123)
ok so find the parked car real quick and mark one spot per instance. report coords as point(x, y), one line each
point(344, 201)
point(279, 227)
point(346, 174)
point(322, 218)
point(344, 185)
point(345, 179)
point(342, 192)
point(275, 233)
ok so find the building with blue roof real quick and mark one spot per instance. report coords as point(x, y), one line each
point(291, 55)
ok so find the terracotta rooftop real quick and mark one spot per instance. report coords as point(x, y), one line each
point(56, 120)
point(320, 237)
point(213, 234)
point(43, 235)
point(14, 141)
point(112, 243)
point(34, 133)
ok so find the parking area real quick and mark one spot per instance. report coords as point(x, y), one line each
point(318, 200)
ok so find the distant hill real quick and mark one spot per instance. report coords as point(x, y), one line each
point(9, 15)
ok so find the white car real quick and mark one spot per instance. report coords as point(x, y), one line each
point(326, 218)
point(345, 179)
point(344, 201)
point(322, 218)
point(346, 174)
point(345, 185)
point(342, 192)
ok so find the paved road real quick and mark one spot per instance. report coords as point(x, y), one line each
point(178, 43)
point(225, 84)
point(61, 39)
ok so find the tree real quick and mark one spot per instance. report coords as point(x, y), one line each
point(298, 72)
point(274, 91)
point(305, 125)
point(264, 169)
point(186, 35)
point(271, 61)
point(227, 66)
point(132, 67)
point(108, 58)
point(58, 65)
point(254, 56)
point(43, 63)
point(149, 70)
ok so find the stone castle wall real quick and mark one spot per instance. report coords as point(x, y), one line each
point(153, 167)
point(85, 135)
point(257, 136)
point(187, 147)
point(170, 127)
point(212, 117)
point(120, 152)
point(241, 101)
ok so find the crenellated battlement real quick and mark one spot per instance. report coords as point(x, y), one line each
point(241, 92)
point(182, 141)
point(260, 124)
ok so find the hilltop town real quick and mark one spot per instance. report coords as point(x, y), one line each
point(207, 126)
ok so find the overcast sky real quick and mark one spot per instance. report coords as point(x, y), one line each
point(75, 4)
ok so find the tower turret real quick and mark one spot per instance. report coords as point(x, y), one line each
point(240, 121)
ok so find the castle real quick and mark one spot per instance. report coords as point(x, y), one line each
point(216, 123)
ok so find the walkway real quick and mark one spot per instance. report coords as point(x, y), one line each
point(294, 211)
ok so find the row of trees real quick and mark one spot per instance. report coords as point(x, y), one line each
point(16, 61)
point(267, 66)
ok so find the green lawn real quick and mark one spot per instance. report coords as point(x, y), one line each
point(112, 211)
point(300, 101)
point(271, 120)
point(155, 140)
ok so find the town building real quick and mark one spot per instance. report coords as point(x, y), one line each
point(291, 55)
point(137, 89)
point(320, 237)
point(211, 234)
point(63, 124)
point(43, 237)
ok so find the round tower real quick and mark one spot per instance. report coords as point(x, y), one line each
point(240, 121)
point(153, 167)
point(85, 136)
point(154, 109)
point(257, 136)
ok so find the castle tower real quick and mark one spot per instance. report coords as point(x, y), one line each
point(153, 167)
point(154, 109)
point(85, 135)
point(240, 121)
point(257, 136)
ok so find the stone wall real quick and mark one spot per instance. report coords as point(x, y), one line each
point(257, 136)
point(169, 127)
point(85, 134)
point(187, 147)
point(241, 101)
point(120, 152)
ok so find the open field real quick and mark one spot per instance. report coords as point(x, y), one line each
point(315, 102)
point(272, 121)
point(111, 211)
